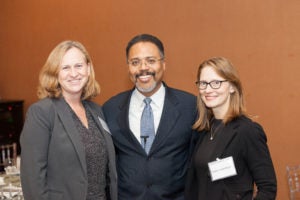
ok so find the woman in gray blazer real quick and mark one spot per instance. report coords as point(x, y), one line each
point(66, 149)
point(232, 154)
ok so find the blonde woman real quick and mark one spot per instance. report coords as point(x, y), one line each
point(67, 151)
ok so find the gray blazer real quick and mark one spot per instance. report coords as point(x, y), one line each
point(53, 165)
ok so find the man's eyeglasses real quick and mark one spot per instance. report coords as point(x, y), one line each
point(215, 84)
point(149, 61)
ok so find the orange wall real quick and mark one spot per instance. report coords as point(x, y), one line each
point(261, 38)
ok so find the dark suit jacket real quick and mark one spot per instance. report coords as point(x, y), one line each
point(246, 142)
point(53, 165)
point(161, 174)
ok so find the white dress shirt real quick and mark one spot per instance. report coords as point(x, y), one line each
point(136, 108)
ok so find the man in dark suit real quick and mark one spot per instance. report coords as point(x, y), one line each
point(157, 173)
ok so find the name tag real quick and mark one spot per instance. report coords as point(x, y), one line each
point(222, 168)
point(104, 125)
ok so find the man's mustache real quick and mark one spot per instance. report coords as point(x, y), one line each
point(144, 74)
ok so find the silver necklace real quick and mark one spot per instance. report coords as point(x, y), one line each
point(214, 131)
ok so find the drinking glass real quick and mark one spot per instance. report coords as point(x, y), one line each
point(2, 184)
point(2, 196)
point(11, 170)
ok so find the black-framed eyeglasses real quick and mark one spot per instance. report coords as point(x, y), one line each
point(215, 84)
point(149, 61)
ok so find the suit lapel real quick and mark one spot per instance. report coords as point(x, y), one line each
point(226, 136)
point(123, 121)
point(68, 123)
point(169, 119)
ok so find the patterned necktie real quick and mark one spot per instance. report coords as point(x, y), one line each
point(147, 126)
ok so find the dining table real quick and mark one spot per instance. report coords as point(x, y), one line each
point(10, 186)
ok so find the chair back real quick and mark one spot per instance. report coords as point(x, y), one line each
point(8, 155)
point(293, 176)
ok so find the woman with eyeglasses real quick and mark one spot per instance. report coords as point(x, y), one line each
point(232, 157)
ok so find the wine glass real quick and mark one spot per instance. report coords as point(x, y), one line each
point(18, 196)
point(10, 170)
point(18, 189)
point(7, 169)
point(2, 184)
point(2, 196)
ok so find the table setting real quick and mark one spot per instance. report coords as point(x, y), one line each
point(10, 184)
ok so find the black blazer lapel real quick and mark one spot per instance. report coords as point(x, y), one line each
point(227, 134)
point(123, 121)
point(169, 118)
point(68, 123)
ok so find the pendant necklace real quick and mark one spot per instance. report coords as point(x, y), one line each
point(214, 131)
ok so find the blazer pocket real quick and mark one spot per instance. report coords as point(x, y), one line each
point(231, 194)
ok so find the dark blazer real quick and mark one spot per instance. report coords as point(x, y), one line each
point(161, 174)
point(246, 141)
point(53, 165)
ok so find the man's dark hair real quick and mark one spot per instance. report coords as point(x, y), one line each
point(146, 38)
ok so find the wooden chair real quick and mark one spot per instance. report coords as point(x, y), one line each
point(293, 176)
point(8, 155)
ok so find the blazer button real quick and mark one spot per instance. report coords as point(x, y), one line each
point(238, 196)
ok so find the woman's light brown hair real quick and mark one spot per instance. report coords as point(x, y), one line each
point(225, 69)
point(48, 78)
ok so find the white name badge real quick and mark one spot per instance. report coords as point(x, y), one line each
point(104, 125)
point(222, 168)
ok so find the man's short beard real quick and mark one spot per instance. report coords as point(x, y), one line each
point(146, 90)
point(149, 89)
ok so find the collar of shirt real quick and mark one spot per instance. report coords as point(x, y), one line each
point(137, 105)
point(157, 98)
